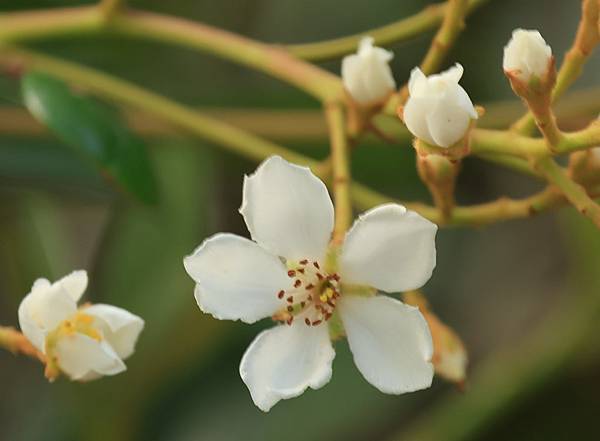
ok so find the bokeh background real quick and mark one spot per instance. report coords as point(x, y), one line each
point(524, 295)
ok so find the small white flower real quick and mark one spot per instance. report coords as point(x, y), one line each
point(84, 343)
point(284, 274)
point(526, 54)
point(367, 75)
point(438, 110)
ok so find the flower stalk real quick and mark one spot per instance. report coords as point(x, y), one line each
point(340, 171)
point(439, 174)
point(15, 342)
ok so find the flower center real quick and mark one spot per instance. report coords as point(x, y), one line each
point(79, 323)
point(313, 295)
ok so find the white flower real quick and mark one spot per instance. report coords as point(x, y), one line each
point(285, 274)
point(83, 343)
point(367, 75)
point(526, 54)
point(438, 110)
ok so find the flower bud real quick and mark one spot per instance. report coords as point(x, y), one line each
point(367, 75)
point(527, 55)
point(438, 111)
point(450, 358)
point(84, 343)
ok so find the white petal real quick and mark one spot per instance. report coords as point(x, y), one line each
point(287, 210)
point(389, 248)
point(120, 328)
point(526, 54)
point(415, 117)
point(453, 74)
point(236, 278)
point(390, 342)
point(80, 357)
point(74, 284)
point(353, 79)
point(42, 310)
point(448, 121)
point(282, 362)
point(367, 75)
point(417, 83)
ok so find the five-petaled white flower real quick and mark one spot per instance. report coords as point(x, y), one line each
point(285, 274)
point(438, 111)
point(84, 343)
point(527, 55)
point(367, 75)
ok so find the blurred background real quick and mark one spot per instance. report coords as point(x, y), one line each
point(524, 295)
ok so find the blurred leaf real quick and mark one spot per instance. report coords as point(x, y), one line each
point(93, 130)
point(47, 164)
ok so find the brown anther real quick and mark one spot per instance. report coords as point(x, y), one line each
point(302, 304)
point(320, 276)
point(280, 294)
point(304, 262)
point(307, 321)
point(310, 286)
point(297, 283)
point(328, 316)
point(291, 273)
point(336, 277)
point(330, 303)
point(289, 321)
point(290, 299)
point(317, 322)
point(316, 264)
point(301, 270)
point(290, 308)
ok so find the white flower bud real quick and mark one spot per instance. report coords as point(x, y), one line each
point(84, 343)
point(526, 54)
point(367, 75)
point(438, 110)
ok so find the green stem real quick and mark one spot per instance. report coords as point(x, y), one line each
point(508, 143)
point(400, 30)
point(262, 57)
point(446, 36)
point(574, 192)
point(581, 140)
point(110, 7)
point(340, 166)
point(275, 61)
point(57, 22)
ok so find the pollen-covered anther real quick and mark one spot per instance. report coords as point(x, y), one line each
point(312, 296)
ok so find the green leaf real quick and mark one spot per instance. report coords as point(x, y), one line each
point(94, 131)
